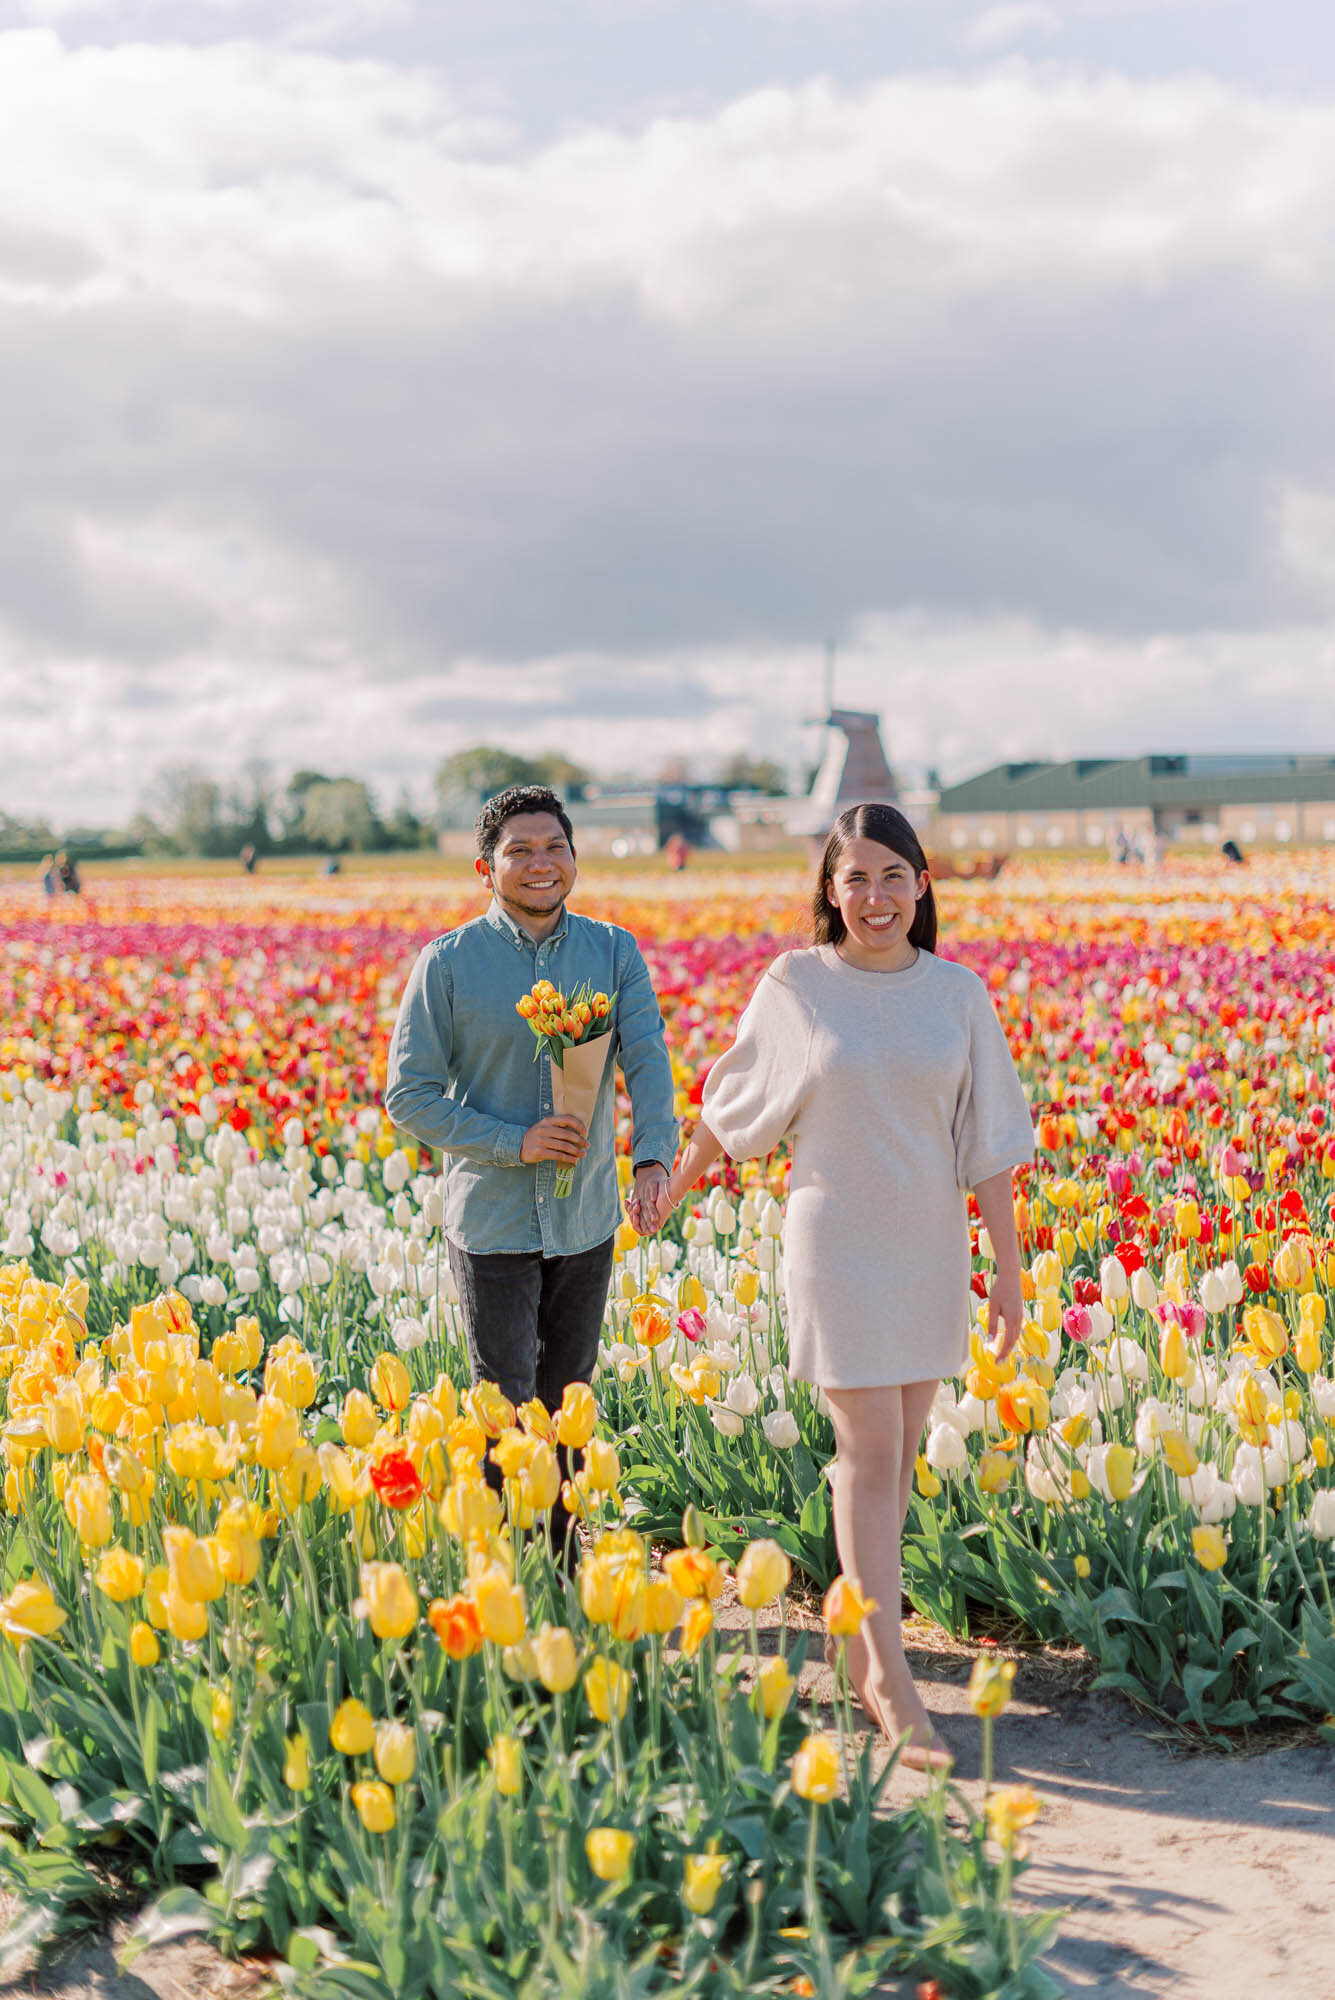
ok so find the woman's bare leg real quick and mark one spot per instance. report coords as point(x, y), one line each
point(876, 1435)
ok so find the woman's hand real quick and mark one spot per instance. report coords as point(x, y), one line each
point(1005, 1310)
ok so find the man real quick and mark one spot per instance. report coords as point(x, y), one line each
point(532, 1271)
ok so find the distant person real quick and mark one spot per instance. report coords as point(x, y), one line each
point(67, 870)
point(331, 865)
point(1232, 852)
point(677, 852)
point(249, 858)
point(1121, 848)
point(50, 875)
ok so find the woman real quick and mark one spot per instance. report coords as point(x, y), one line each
point(891, 1069)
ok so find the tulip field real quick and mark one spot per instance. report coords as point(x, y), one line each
point(281, 1664)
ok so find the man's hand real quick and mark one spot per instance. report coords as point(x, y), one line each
point(1005, 1308)
point(649, 1204)
point(557, 1138)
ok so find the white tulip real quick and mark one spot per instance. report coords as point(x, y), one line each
point(1321, 1520)
point(1112, 1278)
point(1323, 1395)
point(946, 1449)
point(780, 1428)
point(1213, 1292)
point(726, 1421)
point(771, 1218)
point(1144, 1291)
point(1040, 1475)
point(742, 1396)
point(1233, 1286)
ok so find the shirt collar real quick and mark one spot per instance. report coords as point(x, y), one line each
point(516, 933)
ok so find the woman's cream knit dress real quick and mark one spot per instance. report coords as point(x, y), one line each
point(901, 1093)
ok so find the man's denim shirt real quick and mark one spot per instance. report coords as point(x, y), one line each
point(466, 1076)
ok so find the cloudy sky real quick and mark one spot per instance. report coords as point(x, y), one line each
point(379, 377)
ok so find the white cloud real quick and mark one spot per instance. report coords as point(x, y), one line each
point(996, 27)
point(244, 178)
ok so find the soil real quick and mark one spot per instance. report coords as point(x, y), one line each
point(1200, 1874)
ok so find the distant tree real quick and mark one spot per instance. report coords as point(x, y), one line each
point(753, 774)
point(338, 814)
point(571, 780)
point(186, 805)
point(405, 827)
point(252, 807)
point(479, 772)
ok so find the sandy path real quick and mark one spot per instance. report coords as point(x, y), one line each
point(1200, 1876)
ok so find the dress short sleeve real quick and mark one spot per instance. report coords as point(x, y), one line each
point(753, 1094)
point(992, 1124)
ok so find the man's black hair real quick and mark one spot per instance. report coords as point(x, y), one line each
point(516, 799)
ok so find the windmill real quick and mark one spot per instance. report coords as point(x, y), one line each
point(853, 771)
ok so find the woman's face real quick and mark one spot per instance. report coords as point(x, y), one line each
point(876, 893)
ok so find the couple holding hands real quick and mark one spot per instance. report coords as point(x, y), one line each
point(886, 1063)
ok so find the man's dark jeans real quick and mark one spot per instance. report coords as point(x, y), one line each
point(532, 1325)
point(532, 1322)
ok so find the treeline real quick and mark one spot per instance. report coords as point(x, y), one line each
point(189, 811)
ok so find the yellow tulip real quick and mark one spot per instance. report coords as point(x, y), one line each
point(602, 1467)
point(696, 1626)
point(352, 1730)
point(1266, 1332)
point(1174, 1354)
point(775, 1684)
point(119, 1575)
point(577, 1416)
point(64, 1417)
point(994, 1471)
point(144, 1648)
point(220, 1712)
point(1119, 1469)
point(277, 1433)
point(1179, 1452)
point(237, 1544)
point(693, 1573)
point(471, 1511)
point(155, 1595)
point(554, 1651)
point(297, 1762)
point(507, 1765)
point(88, 1507)
point(762, 1574)
point(193, 1565)
point(609, 1852)
point(815, 1769)
point(844, 1608)
point(391, 1384)
point(746, 1288)
point(1011, 1808)
point(187, 1618)
point(663, 1604)
point(990, 1685)
point(1209, 1547)
point(607, 1687)
point(374, 1803)
point(387, 1599)
point(30, 1612)
point(489, 1406)
point(395, 1752)
point(702, 1879)
point(500, 1606)
point(358, 1420)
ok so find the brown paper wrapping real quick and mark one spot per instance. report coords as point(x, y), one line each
point(575, 1082)
point(575, 1091)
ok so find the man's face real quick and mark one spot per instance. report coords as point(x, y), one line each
point(533, 869)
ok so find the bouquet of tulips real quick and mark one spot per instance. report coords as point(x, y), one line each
point(575, 1034)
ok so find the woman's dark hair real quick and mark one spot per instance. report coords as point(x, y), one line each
point(516, 799)
point(888, 827)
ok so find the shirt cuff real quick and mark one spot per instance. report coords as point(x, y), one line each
point(510, 1145)
point(640, 1166)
